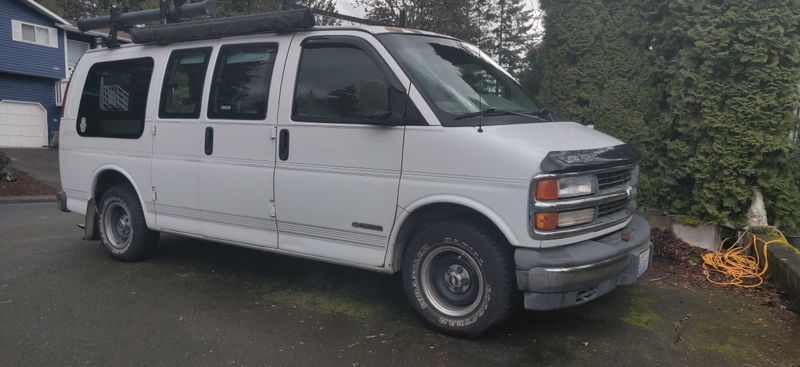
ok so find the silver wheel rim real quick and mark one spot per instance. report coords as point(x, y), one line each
point(117, 225)
point(449, 272)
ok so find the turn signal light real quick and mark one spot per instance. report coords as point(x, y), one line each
point(546, 221)
point(547, 189)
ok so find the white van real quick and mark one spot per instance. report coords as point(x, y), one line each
point(382, 148)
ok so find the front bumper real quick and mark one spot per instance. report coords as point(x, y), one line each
point(573, 274)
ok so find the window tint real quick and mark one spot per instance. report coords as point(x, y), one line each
point(241, 81)
point(183, 83)
point(328, 82)
point(114, 99)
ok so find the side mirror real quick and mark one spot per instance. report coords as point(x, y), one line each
point(373, 101)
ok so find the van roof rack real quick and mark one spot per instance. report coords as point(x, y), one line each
point(172, 16)
point(279, 21)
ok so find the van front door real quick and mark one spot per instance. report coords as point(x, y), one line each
point(337, 176)
point(236, 172)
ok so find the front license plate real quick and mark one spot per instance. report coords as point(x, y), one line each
point(644, 261)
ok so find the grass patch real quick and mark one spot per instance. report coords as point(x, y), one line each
point(331, 302)
point(641, 313)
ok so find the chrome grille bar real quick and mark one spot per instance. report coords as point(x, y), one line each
point(611, 201)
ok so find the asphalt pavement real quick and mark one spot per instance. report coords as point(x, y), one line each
point(63, 302)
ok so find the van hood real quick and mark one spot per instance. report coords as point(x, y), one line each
point(515, 152)
point(549, 137)
point(556, 147)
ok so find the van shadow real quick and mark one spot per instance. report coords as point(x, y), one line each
point(374, 296)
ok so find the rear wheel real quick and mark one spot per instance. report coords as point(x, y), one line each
point(459, 278)
point(122, 227)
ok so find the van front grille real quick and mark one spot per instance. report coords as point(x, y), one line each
point(612, 207)
point(612, 201)
point(607, 180)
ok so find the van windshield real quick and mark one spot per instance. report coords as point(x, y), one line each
point(461, 83)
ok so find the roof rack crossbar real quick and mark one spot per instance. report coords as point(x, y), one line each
point(279, 21)
point(176, 12)
point(173, 27)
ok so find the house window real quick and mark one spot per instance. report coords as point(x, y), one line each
point(32, 33)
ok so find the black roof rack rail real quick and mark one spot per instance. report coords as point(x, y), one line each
point(174, 26)
point(169, 11)
point(279, 22)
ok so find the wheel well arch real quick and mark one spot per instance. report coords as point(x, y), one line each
point(438, 210)
point(106, 177)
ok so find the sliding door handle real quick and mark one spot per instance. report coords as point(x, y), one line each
point(283, 145)
point(209, 140)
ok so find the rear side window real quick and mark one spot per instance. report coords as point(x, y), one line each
point(241, 81)
point(182, 91)
point(329, 80)
point(114, 99)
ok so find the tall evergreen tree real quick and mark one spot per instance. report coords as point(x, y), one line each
point(507, 39)
point(458, 18)
point(326, 5)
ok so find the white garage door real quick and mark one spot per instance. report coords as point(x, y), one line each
point(22, 124)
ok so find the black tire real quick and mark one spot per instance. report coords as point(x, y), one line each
point(120, 206)
point(459, 278)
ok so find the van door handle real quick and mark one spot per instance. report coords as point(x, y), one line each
point(283, 145)
point(209, 140)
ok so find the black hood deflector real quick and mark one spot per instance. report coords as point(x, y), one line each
point(589, 159)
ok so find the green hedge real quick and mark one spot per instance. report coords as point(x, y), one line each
point(706, 90)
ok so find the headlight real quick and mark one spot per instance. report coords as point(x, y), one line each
point(566, 187)
point(548, 221)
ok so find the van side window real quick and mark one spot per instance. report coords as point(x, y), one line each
point(328, 82)
point(114, 99)
point(241, 81)
point(182, 90)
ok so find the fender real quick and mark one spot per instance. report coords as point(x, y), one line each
point(149, 217)
point(405, 212)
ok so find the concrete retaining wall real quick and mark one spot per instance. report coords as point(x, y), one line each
point(784, 269)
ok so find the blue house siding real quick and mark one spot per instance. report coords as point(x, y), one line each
point(32, 89)
point(25, 58)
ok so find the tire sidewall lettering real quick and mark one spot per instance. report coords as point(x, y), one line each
point(452, 322)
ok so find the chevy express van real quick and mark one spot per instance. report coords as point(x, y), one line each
point(382, 148)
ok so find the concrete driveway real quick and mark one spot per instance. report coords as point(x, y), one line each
point(39, 163)
point(64, 302)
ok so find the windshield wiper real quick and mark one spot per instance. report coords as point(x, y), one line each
point(544, 114)
point(485, 112)
point(497, 112)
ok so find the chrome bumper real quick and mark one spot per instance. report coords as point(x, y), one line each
point(570, 275)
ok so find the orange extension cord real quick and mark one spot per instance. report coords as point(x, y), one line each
point(741, 270)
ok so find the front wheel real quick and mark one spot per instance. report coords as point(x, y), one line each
point(459, 278)
point(123, 230)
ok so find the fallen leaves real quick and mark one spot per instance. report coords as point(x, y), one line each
point(24, 186)
point(678, 264)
